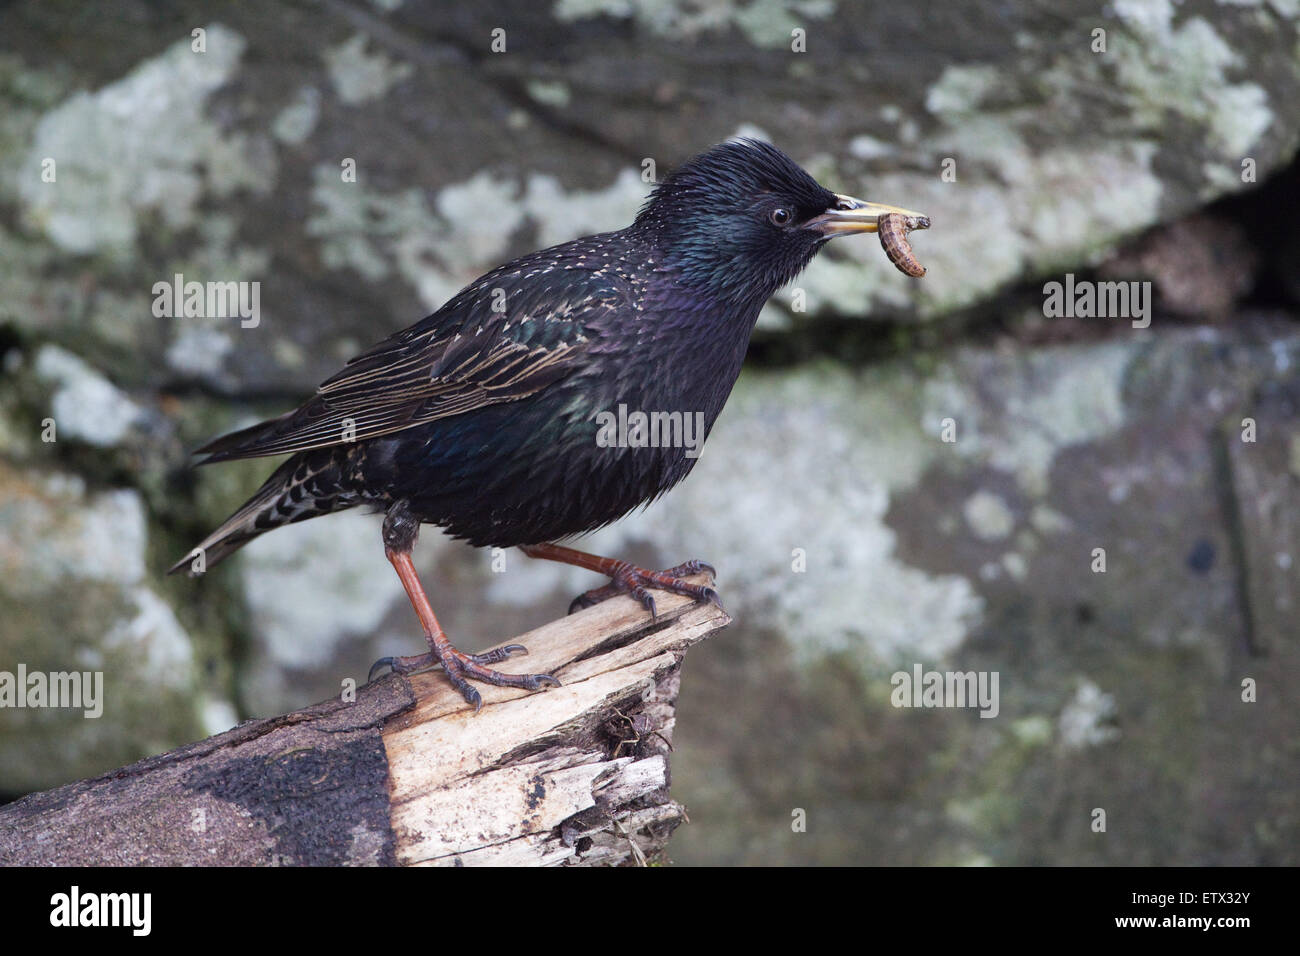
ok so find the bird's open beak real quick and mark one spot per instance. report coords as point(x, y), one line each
point(850, 215)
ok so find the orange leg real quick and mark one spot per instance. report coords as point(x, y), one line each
point(400, 531)
point(627, 578)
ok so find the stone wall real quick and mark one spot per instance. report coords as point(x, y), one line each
point(852, 540)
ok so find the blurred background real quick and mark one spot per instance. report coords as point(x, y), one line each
point(1128, 140)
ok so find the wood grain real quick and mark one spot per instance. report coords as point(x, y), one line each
point(406, 774)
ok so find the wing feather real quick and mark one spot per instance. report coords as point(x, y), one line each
point(464, 356)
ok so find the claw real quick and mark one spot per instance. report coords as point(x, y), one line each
point(469, 693)
point(647, 601)
point(404, 665)
point(690, 568)
point(499, 654)
point(593, 597)
point(382, 662)
point(462, 668)
point(638, 582)
point(459, 666)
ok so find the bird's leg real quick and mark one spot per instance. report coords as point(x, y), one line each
point(400, 531)
point(627, 578)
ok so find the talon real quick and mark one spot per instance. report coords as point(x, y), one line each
point(689, 568)
point(637, 582)
point(470, 694)
point(647, 601)
point(628, 579)
point(595, 596)
point(459, 667)
point(462, 668)
point(404, 665)
point(499, 654)
point(382, 662)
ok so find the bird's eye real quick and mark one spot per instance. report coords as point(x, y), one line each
point(780, 217)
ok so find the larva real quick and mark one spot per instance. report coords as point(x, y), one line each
point(893, 228)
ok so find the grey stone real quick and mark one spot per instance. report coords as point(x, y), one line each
point(76, 596)
point(852, 539)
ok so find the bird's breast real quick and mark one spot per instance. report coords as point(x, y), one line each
point(628, 424)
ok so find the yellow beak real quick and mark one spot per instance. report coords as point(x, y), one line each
point(850, 215)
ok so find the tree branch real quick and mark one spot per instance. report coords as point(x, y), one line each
point(407, 774)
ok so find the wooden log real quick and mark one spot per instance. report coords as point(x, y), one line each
point(407, 774)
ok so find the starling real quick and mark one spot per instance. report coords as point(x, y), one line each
point(483, 417)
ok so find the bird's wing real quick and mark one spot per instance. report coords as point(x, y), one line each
point(507, 336)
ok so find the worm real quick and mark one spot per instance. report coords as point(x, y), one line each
point(893, 228)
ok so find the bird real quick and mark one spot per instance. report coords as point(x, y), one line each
point(482, 418)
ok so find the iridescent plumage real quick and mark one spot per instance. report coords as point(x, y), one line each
point(482, 417)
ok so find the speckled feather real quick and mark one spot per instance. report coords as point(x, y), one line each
point(482, 415)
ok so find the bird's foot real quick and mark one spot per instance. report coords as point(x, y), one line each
point(629, 579)
point(461, 668)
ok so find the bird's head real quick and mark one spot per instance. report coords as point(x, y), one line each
point(742, 219)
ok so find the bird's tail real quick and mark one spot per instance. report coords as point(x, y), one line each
point(310, 483)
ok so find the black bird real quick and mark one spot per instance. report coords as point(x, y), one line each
point(481, 418)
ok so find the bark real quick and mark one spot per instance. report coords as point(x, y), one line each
point(406, 773)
